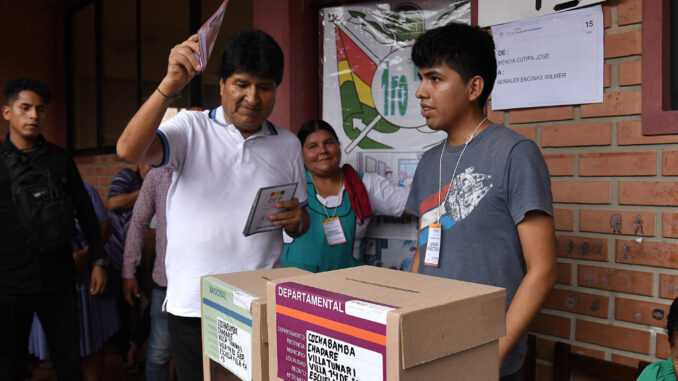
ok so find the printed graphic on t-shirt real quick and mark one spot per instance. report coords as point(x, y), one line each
point(468, 189)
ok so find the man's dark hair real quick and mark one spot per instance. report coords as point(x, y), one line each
point(314, 126)
point(15, 86)
point(255, 52)
point(672, 321)
point(465, 49)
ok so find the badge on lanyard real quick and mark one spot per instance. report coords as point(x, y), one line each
point(333, 231)
point(433, 245)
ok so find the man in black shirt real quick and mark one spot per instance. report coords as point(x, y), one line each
point(31, 280)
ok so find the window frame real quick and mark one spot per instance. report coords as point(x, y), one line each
point(658, 118)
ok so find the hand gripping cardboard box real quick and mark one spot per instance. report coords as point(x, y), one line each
point(373, 324)
point(234, 326)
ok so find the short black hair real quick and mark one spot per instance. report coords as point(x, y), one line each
point(465, 49)
point(17, 85)
point(314, 126)
point(672, 321)
point(255, 52)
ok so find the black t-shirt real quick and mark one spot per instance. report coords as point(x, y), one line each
point(22, 269)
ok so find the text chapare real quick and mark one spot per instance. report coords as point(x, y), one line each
point(316, 300)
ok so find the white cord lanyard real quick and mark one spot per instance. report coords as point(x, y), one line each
point(341, 181)
point(440, 167)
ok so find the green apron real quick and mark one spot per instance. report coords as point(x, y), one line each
point(311, 251)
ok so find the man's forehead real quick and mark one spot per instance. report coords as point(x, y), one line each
point(250, 77)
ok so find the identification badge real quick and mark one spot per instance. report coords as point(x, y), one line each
point(333, 231)
point(433, 245)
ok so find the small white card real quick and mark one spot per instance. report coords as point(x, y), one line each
point(333, 231)
point(264, 205)
point(433, 245)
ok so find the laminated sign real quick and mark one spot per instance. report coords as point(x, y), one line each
point(227, 327)
point(326, 336)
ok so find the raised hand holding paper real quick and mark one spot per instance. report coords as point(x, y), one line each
point(207, 35)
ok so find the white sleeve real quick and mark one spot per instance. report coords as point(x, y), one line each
point(174, 136)
point(386, 198)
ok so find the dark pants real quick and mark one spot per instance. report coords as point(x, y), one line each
point(517, 376)
point(186, 346)
point(58, 313)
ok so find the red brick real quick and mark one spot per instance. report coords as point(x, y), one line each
point(606, 75)
point(545, 348)
point(662, 348)
point(629, 12)
point(623, 44)
point(581, 192)
point(618, 164)
point(544, 372)
point(670, 163)
point(601, 221)
point(614, 103)
point(641, 312)
point(670, 225)
point(659, 254)
point(594, 249)
point(541, 114)
point(84, 159)
point(530, 132)
point(648, 193)
point(668, 286)
point(564, 273)
point(560, 165)
point(631, 132)
point(576, 134)
point(588, 352)
point(577, 302)
point(614, 279)
point(623, 338)
point(625, 360)
point(563, 219)
point(551, 325)
point(630, 73)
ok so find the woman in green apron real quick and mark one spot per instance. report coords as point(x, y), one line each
point(341, 203)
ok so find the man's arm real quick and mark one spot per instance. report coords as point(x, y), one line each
point(415, 260)
point(139, 142)
point(537, 237)
point(144, 209)
point(123, 201)
point(90, 227)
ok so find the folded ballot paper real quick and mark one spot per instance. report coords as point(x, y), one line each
point(207, 35)
point(264, 205)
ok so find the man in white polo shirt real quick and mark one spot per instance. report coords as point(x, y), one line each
point(220, 159)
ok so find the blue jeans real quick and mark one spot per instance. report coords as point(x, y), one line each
point(158, 355)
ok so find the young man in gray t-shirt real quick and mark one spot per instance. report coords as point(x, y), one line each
point(483, 196)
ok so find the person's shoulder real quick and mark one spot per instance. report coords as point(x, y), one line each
point(282, 134)
point(653, 371)
point(507, 135)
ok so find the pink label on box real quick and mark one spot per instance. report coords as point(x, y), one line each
point(326, 336)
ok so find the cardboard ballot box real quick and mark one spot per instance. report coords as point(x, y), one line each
point(234, 333)
point(373, 324)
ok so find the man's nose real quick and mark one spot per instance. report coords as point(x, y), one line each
point(252, 95)
point(421, 91)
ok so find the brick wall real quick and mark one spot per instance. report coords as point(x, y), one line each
point(99, 171)
point(614, 284)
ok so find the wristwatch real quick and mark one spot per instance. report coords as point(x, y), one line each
point(103, 262)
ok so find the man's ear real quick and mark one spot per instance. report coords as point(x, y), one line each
point(5, 112)
point(475, 88)
point(222, 84)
